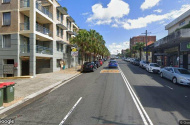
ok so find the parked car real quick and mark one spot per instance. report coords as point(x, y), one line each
point(101, 62)
point(136, 62)
point(153, 67)
point(131, 60)
point(176, 75)
point(143, 64)
point(88, 66)
point(113, 64)
point(97, 63)
point(128, 59)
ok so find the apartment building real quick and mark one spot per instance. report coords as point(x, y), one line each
point(138, 39)
point(174, 49)
point(34, 37)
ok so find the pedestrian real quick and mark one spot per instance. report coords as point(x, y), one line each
point(61, 64)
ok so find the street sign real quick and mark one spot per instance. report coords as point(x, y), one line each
point(74, 53)
point(74, 49)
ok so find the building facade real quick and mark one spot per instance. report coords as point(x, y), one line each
point(174, 49)
point(34, 37)
point(142, 39)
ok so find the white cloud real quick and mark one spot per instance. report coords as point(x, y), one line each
point(115, 9)
point(158, 10)
point(149, 4)
point(144, 21)
point(84, 14)
point(114, 47)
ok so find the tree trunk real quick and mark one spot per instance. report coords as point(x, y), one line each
point(140, 54)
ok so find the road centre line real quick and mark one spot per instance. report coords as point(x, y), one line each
point(65, 118)
point(138, 104)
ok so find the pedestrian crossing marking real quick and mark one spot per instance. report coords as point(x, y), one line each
point(110, 71)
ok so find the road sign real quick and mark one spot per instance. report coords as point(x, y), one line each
point(74, 53)
point(74, 49)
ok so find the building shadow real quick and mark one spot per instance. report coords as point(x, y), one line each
point(108, 122)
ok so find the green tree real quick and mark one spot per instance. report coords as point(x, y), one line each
point(139, 47)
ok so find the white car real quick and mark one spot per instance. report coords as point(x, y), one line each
point(153, 67)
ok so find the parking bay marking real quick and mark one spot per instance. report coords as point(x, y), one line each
point(110, 71)
point(146, 119)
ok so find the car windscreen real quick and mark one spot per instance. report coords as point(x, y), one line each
point(154, 65)
point(182, 71)
point(113, 62)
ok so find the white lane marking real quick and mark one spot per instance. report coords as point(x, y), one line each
point(169, 87)
point(135, 99)
point(185, 96)
point(65, 118)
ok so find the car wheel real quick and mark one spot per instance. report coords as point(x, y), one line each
point(161, 75)
point(174, 80)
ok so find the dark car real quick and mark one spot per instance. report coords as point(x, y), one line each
point(97, 64)
point(88, 66)
point(136, 62)
point(113, 64)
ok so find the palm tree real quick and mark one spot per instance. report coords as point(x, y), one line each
point(140, 46)
point(82, 41)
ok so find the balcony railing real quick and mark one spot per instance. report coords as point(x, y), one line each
point(182, 33)
point(24, 26)
point(44, 50)
point(43, 10)
point(43, 30)
point(24, 48)
point(24, 3)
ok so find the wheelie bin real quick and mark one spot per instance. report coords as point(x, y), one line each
point(8, 91)
point(1, 94)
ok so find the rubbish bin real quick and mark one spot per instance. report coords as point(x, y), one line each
point(1, 94)
point(8, 91)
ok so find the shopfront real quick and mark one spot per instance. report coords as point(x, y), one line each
point(185, 55)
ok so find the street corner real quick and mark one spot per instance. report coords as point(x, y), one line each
point(110, 71)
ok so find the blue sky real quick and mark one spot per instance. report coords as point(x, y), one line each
point(118, 20)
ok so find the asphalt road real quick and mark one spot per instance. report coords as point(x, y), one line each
point(108, 98)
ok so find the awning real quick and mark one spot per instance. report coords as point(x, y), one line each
point(70, 32)
point(62, 26)
point(62, 10)
point(70, 18)
point(60, 41)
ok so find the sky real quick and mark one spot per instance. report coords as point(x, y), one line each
point(119, 20)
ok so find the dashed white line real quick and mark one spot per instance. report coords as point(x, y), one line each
point(65, 118)
point(169, 87)
point(146, 119)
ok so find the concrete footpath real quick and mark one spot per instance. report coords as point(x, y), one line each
point(28, 90)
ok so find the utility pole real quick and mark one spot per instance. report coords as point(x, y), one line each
point(146, 34)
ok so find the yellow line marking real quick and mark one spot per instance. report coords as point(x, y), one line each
point(110, 71)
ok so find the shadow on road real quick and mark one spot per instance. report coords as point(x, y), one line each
point(104, 121)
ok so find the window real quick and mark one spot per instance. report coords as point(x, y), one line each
point(7, 19)
point(57, 14)
point(61, 33)
point(61, 47)
point(182, 23)
point(61, 18)
point(6, 41)
point(6, 1)
point(57, 46)
point(57, 31)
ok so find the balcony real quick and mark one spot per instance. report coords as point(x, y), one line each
point(24, 26)
point(44, 50)
point(43, 10)
point(43, 30)
point(24, 48)
point(24, 3)
point(173, 38)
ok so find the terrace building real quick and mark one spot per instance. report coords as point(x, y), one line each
point(174, 49)
point(34, 37)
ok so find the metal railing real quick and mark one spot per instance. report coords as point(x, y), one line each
point(43, 30)
point(44, 10)
point(44, 50)
point(24, 48)
point(24, 3)
point(24, 26)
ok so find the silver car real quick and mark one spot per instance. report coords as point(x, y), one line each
point(176, 75)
